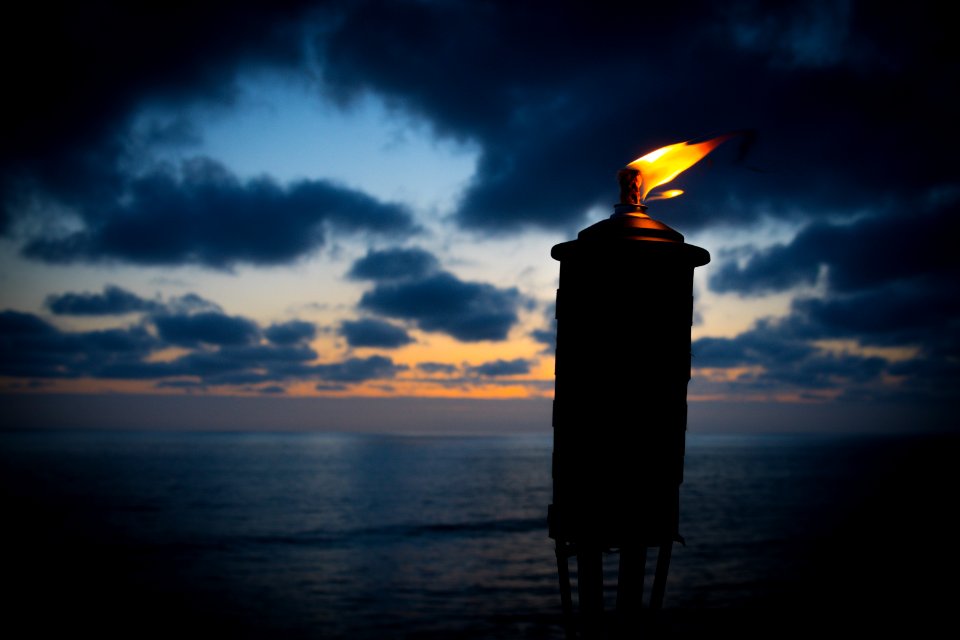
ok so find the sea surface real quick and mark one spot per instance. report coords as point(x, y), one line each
point(293, 535)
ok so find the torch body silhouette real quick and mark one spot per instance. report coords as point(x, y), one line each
point(624, 311)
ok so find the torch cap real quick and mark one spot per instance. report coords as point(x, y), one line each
point(633, 225)
point(633, 233)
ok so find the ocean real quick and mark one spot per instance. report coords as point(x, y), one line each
point(296, 535)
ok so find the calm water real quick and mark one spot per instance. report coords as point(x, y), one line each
point(358, 536)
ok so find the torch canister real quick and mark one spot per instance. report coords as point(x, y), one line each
point(624, 311)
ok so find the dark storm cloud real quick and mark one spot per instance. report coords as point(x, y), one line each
point(291, 332)
point(766, 343)
point(83, 68)
point(249, 355)
point(118, 301)
point(855, 104)
point(207, 328)
point(409, 285)
point(113, 301)
point(547, 335)
point(889, 280)
point(902, 246)
point(204, 215)
point(191, 303)
point(70, 141)
point(914, 321)
point(515, 367)
point(570, 93)
point(912, 314)
point(224, 351)
point(886, 280)
point(852, 101)
point(358, 369)
point(393, 264)
point(468, 311)
point(32, 347)
point(786, 361)
point(369, 332)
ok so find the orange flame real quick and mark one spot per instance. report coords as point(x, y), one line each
point(664, 164)
point(665, 195)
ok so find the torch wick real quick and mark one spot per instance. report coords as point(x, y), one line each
point(630, 181)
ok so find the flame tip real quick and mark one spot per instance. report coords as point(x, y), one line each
point(662, 165)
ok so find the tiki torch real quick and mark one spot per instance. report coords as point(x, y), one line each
point(624, 311)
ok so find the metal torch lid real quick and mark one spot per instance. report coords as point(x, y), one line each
point(630, 224)
point(630, 221)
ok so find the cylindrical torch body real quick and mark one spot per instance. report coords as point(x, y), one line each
point(624, 312)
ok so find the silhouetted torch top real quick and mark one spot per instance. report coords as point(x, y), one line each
point(631, 223)
point(637, 182)
point(630, 219)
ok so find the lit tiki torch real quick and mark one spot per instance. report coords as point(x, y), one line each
point(624, 310)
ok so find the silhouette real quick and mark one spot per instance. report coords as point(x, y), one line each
point(624, 310)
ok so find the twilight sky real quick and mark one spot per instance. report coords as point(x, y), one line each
point(347, 200)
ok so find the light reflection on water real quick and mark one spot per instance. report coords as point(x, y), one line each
point(329, 536)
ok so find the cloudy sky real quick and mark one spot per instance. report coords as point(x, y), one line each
point(355, 202)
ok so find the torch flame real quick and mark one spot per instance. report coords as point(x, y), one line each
point(664, 164)
point(665, 195)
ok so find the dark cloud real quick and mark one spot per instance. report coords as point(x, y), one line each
point(103, 60)
point(394, 264)
point(30, 347)
point(222, 351)
point(908, 314)
point(547, 335)
point(84, 72)
point(767, 343)
point(117, 301)
point(437, 367)
point(515, 367)
point(70, 141)
point(355, 370)
point(849, 99)
point(113, 301)
point(410, 286)
point(228, 365)
point(571, 93)
point(291, 332)
point(468, 311)
point(874, 251)
point(191, 303)
point(202, 214)
point(369, 332)
point(255, 355)
point(206, 328)
point(784, 354)
point(885, 281)
point(854, 104)
point(774, 359)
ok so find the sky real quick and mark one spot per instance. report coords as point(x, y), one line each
point(318, 214)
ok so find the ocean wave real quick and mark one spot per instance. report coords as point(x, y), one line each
point(381, 534)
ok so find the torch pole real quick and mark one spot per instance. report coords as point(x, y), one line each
point(624, 311)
